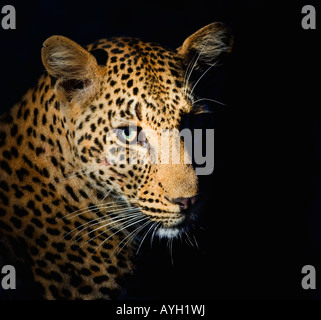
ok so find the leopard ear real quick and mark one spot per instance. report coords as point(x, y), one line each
point(74, 69)
point(207, 44)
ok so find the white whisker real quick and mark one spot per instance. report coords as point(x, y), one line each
point(171, 250)
point(125, 227)
point(96, 207)
point(107, 194)
point(132, 218)
point(189, 239)
point(111, 215)
point(196, 243)
point(200, 53)
point(206, 99)
point(154, 224)
point(199, 79)
point(131, 235)
point(186, 76)
point(153, 234)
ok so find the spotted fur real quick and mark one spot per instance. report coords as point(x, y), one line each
point(57, 183)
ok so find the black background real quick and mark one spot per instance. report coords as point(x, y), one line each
point(261, 217)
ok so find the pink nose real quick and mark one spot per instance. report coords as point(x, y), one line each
point(185, 203)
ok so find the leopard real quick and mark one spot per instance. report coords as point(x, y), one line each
point(79, 176)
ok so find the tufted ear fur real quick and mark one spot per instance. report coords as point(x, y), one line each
point(74, 69)
point(206, 45)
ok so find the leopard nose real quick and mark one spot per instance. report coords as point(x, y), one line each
point(185, 203)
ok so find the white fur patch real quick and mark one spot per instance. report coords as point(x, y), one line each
point(168, 233)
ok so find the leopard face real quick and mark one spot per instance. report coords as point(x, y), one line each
point(123, 96)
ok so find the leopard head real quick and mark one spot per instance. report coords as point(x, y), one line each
point(124, 101)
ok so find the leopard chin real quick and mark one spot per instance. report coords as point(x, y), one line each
point(168, 233)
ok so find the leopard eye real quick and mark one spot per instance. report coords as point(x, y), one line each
point(127, 134)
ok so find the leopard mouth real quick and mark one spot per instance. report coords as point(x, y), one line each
point(188, 222)
point(172, 223)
